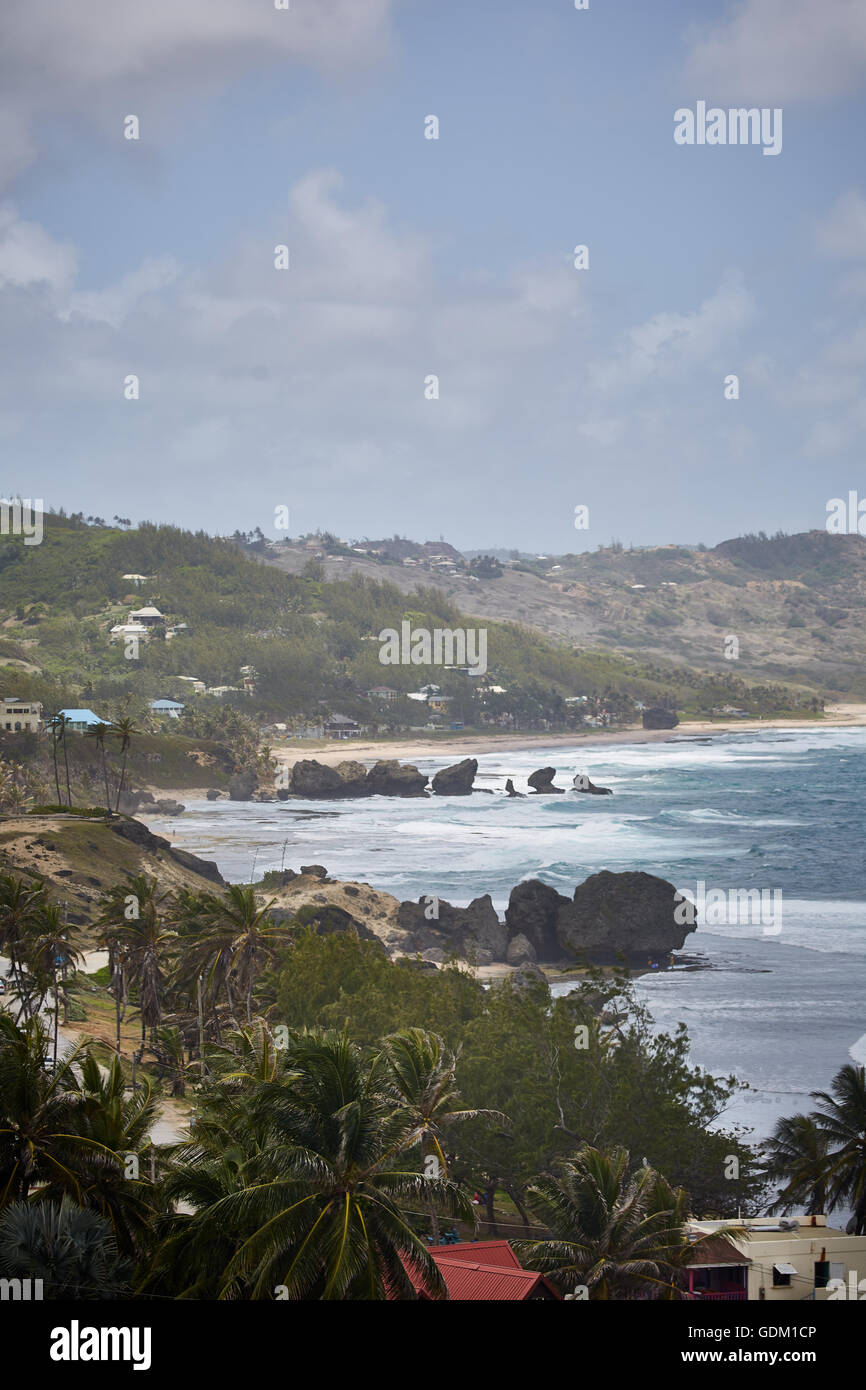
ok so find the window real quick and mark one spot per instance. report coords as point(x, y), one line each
point(782, 1275)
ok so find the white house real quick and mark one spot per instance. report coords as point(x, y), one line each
point(20, 716)
point(776, 1260)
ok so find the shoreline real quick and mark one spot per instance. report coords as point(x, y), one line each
point(465, 745)
point(454, 748)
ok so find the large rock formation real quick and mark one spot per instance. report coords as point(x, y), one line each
point(610, 916)
point(242, 785)
point(658, 718)
point(457, 779)
point(542, 781)
point(432, 923)
point(390, 778)
point(314, 779)
point(509, 787)
point(138, 834)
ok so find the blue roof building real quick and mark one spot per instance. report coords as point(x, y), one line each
point(80, 720)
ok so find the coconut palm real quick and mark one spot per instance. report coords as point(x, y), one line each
point(124, 729)
point(796, 1154)
point(841, 1118)
point(21, 905)
point(421, 1076)
point(300, 1180)
point(38, 1139)
point(617, 1233)
point(238, 940)
point(51, 945)
point(98, 733)
point(133, 929)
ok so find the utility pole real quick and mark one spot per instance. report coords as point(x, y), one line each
point(200, 1029)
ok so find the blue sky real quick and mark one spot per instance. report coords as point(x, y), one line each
point(305, 387)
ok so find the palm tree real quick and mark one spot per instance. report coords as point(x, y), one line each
point(70, 1250)
point(20, 907)
point(54, 725)
point(797, 1155)
point(238, 940)
point(610, 1232)
point(421, 1075)
point(133, 930)
point(38, 1142)
point(63, 725)
point(841, 1117)
point(98, 733)
point(50, 944)
point(297, 1183)
point(124, 729)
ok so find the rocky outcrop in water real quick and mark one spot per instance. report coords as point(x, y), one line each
point(583, 784)
point(390, 778)
point(455, 780)
point(542, 782)
point(509, 787)
point(610, 916)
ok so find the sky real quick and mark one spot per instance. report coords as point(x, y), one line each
point(412, 259)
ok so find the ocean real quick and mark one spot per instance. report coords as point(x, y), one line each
point(778, 811)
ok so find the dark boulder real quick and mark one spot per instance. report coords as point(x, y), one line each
point(527, 979)
point(213, 794)
point(168, 807)
point(531, 912)
point(542, 781)
point(390, 778)
point(242, 785)
point(315, 871)
point(456, 780)
point(509, 787)
point(313, 779)
point(583, 784)
point(520, 951)
point(433, 924)
point(627, 914)
point(206, 868)
point(658, 718)
point(353, 776)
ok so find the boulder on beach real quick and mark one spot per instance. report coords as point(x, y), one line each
point(526, 979)
point(658, 718)
point(314, 870)
point(630, 914)
point(610, 916)
point(213, 794)
point(582, 784)
point(542, 781)
point(457, 779)
point(390, 778)
point(520, 951)
point(432, 923)
point(167, 807)
point(531, 913)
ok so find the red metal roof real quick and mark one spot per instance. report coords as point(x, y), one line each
point(485, 1252)
point(482, 1271)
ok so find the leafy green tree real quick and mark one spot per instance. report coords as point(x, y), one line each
point(71, 1250)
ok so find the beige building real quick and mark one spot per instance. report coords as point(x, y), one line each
point(20, 716)
point(777, 1260)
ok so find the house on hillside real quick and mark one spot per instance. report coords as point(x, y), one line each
point(382, 692)
point(20, 716)
point(148, 616)
point(121, 631)
point(481, 1272)
point(775, 1259)
point(172, 708)
point(80, 720)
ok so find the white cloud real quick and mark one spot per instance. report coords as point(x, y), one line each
point(672, 341)
point(768, 52)
point(29, 256)
point(100, 60)
point(843, 231)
